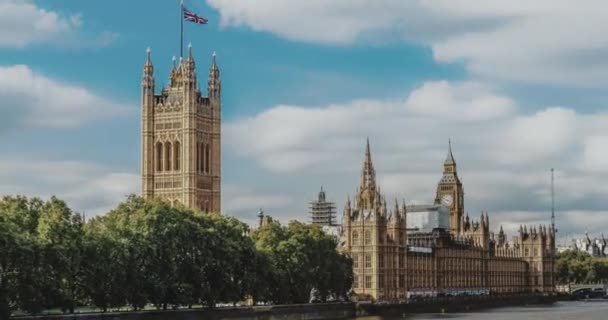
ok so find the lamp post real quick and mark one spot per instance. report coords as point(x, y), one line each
point(261, 216)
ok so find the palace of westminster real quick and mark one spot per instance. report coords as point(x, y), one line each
point(398, 251)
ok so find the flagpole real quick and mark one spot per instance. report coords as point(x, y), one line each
point(181, 34)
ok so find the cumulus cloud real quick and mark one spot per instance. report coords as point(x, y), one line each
point(86, 187)
point(504, 154)
point(31, 99)
point(543, 41)
point(23, 23)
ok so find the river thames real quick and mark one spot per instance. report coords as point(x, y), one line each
point(558, 311)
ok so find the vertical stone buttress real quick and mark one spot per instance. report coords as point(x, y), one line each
point(147, 127)
point(214, 88)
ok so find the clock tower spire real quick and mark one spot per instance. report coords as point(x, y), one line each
point(450, 192)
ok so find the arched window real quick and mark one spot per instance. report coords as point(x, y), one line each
point(177, 154)
point(355, 238)
point(168, 156)
point(368, 237)
point(159, 156)
point(198, 157)
point(201, 158)
point(207, 158)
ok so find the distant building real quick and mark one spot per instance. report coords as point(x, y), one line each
point(425, 218)
point(596, 247)
point(323, 212)
point(439, 252)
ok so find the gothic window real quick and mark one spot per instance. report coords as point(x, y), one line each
point(355, 261)
point(177, 155)
point(368, 237)
point(168, 156)
point(207, 158)
point(527, 252)
point(356, 282)
point(368, 282)
point(159, 156)
point(198, 157)
point(355, 238)
point(368, 260)
point(381, 260)
point(535, 252)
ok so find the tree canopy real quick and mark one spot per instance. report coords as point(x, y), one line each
point(150, 252)
point(579, 267)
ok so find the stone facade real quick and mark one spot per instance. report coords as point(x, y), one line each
point(181, 137)
point(394, 263)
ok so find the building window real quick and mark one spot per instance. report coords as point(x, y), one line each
point(168, 156)
point(368, 237)
point(535, 252)
point(526, 252)
point(159, 156)
point(207, 158)
point(356, 282)
point(368, 260)
point(368, 282)
point(177, 153)
point(355, 237)
point(401, 281)
point(381, 282)
point(199, 158)
point(355, 261)
point(381, 260)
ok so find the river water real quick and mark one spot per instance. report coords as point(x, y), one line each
point(561, 310)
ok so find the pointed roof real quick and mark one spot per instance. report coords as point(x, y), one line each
point(450, 157)
point(368, 174)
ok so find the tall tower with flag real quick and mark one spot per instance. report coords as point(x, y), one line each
point(181, 136)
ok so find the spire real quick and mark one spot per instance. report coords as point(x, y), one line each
point(148, 57)
point(190, 58)
point(214, 85)
point(368, 174)
point(449, 160)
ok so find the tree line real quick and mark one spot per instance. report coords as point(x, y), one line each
point(148, 252)
point(574, 266)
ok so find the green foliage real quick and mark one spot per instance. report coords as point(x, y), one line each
point(300, 258)
point(579, 267)
point(149, 252)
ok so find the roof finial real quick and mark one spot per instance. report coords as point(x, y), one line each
point(450, 158)
point(148, 56)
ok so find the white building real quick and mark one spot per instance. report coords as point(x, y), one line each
point(425, 218)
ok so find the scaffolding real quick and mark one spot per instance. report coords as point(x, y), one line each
point(323, 212)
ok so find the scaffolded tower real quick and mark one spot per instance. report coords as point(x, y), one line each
point(323, 212)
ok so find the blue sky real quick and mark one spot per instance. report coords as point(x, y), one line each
point(304, 82)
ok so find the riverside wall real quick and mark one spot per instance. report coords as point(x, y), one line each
point(318, 311)
point(451, 305)
point(321, 311)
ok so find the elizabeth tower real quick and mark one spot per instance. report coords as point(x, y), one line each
point(181, 136)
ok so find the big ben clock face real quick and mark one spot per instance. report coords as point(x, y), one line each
point(447, 200)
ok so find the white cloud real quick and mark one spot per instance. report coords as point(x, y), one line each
point(504, 155)
point(86, 187)
point(542, 41)
point(595, 155)
point(37, 100)
point(23, 23)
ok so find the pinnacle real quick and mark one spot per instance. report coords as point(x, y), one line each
point(450, 158)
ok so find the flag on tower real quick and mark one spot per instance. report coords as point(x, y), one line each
point(192, 17)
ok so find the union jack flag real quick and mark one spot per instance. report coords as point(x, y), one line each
point(192, 17)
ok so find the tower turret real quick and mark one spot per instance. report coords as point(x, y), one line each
point(214, 85)
point(147, 126)
point(450, 192)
